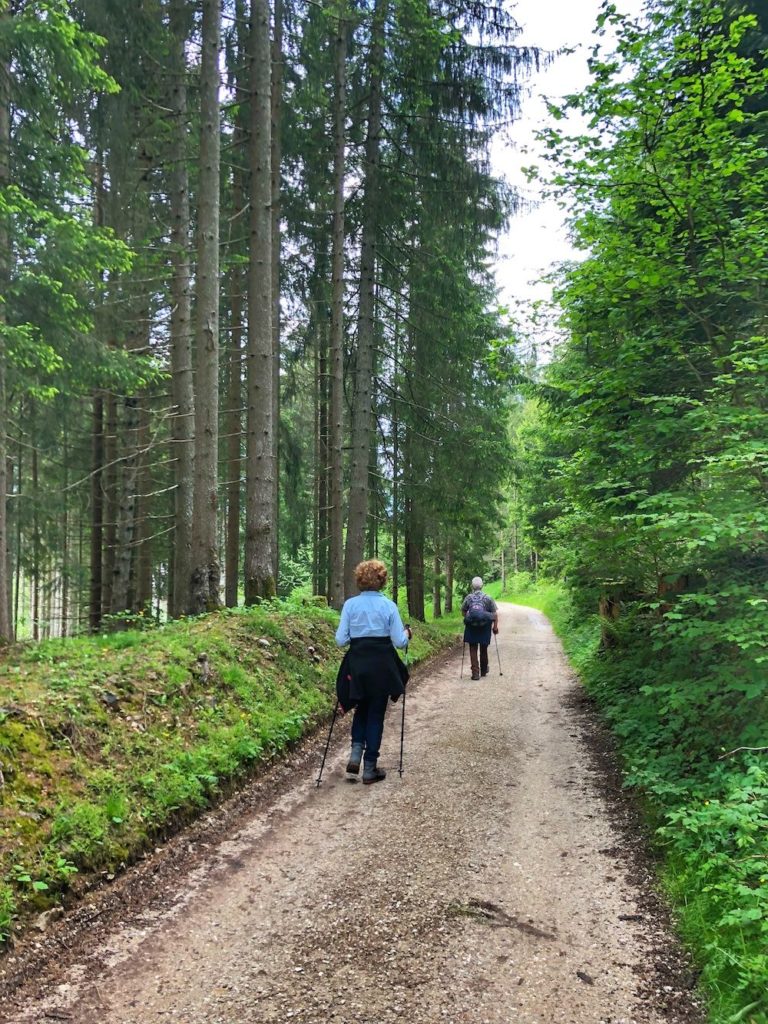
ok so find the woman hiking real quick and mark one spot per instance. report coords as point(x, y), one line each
point(480, 617)
point(371, 672)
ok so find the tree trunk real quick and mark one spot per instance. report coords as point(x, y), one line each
point(10, 474)
point(276, 160)
point(234, 431)
point(436, 590)
point(234, 418)
point(65, 568)
point(142, 598)
point(182, 388)
point(395, 510)
point(110, 503)
point(35, 544)
point(336, 354)
point(319, 333)
point(97, 511)
point(260, 580)
point(414, 561)
point(203, 581)
point(396, 458)
point(5, 271)
point(19, 536)
point(360, 442)
point(125, 533)
point(448, 578)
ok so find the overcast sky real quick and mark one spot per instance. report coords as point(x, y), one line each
point(538, 239)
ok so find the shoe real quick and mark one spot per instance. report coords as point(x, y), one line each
point(355, 757)
point(484, 672)
point(475, 675)
point(373, 774)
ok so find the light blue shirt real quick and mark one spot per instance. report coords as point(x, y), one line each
point(371, 614)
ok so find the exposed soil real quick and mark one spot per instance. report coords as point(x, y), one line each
point(503, 878)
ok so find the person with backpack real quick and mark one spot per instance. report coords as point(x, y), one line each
point(371, 673)
point(481, 617)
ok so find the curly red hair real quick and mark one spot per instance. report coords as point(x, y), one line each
point(371, 575)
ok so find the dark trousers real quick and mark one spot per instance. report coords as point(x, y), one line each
point(368, 725)
point(480, 668)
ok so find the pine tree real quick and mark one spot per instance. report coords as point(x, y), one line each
point(204, 578)
point(260, 513)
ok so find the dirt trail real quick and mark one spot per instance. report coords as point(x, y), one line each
point(493, 883)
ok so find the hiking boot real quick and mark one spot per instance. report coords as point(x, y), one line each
point(475, 675)
point(355, 757)
point(484, 672)
point(373, 774)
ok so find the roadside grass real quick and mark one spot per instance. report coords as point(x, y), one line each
point(108, 742)
point(707, 807)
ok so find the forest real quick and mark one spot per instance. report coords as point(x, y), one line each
point(249, 329)
point(250, 334)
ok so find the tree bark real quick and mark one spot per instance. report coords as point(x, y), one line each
point(35, 544)
point(182, 389)
point(126, 511)
point(260, 583)
point(414, 561)
point(97, 511)
point(360, 441)
point(336, 355)
point(65, 568)
point(6, 630)
point(234, 418)
point(203, 582)
point(319, 331)
point(276, 157)
point(448, 578)
point(395, 506)
point(234, 432)
point(19, 534)
point(109, 479)
point(142, 598)
point(436, 590)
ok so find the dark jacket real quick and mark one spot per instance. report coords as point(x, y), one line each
point(478, 631)
point(371, 667)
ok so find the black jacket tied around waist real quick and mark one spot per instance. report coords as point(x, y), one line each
point(370, 668)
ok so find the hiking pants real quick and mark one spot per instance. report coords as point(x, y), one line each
point(368, 725)
point(481, 667)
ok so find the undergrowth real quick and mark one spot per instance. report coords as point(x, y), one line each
point(107, 742)
point(679, 711)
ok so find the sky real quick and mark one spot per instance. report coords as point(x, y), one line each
point(537, 239)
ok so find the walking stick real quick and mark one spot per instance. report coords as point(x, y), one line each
point(463, 651)
point(330, 731)
point(495, 637)
point(402, 720)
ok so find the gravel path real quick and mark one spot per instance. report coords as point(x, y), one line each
point(494, 883)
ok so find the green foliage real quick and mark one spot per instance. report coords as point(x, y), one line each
point(7, 911)
point(710, 810)
point(59, 255)
point(642, 459)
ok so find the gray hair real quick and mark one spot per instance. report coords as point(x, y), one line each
point(477, 583)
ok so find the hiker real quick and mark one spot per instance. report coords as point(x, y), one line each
point(371, 672)
point(480, 617)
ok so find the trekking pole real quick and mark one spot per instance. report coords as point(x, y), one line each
point(495, 637)
point(402, 720)
point(463, 650)
point(327, 745)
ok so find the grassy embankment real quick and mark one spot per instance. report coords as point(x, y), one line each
point(708, 807)
point(108, 742)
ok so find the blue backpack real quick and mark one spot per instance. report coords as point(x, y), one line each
point(477, 615)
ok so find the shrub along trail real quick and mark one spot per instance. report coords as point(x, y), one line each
point(500, 880)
